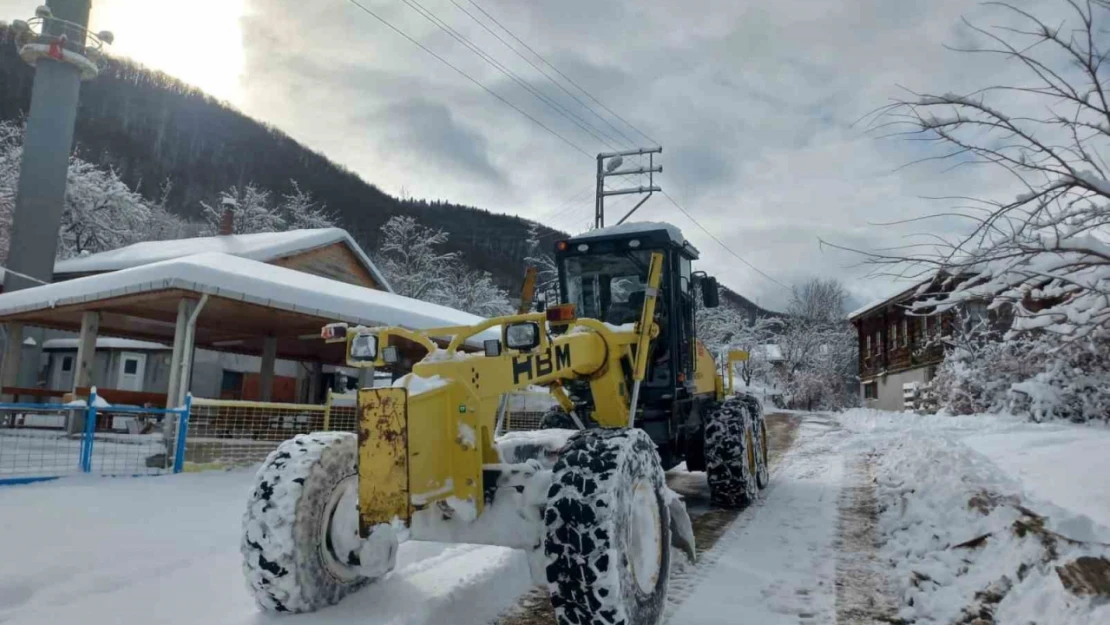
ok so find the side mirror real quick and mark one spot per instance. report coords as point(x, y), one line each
point(710, 296)
point(522, 336)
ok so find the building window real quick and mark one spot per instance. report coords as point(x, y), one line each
point(924, 328)
point(868, 350)
point(67, 363)
point(871, 390)
point(893, 335)
point(905, 332)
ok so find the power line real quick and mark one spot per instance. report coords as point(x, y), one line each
point(719, 242)
point(577, 197)
point(430, 15)
point(565, 77)
point(541, 70)
point(469, 77)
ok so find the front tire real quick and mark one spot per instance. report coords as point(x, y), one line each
point(730, 454)
point(557, 419)
point(608, 530)
point(288, 544)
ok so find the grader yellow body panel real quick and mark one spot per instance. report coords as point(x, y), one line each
point(439, 426)
point(383, 452)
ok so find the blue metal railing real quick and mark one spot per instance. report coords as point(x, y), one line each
point(31, 452)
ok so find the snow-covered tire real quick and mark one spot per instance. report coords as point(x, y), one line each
point(730, 458)
point(762, 469)
point(287, 558)
point(557, 419)
point(608, 530)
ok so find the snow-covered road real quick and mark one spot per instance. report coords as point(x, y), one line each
point(862, 506)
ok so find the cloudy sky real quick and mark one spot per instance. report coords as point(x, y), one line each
point(756, 104)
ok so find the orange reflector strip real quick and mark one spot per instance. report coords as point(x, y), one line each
point(561, 313)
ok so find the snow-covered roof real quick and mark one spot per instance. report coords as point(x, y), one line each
point(900, 295)
point(634, 227)
point(247, 280)
point(105, 342)
point(263, 246)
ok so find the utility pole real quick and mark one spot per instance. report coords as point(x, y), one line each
point(58, 44)
point(612, 168)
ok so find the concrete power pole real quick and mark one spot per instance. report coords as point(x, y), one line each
point(608, 164)
point(58, 52)
point(62, 50)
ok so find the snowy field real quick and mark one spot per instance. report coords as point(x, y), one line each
point(865, 512)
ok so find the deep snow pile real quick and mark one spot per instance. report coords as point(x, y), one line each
point(967, 544)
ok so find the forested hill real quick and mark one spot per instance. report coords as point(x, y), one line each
point(152, 127)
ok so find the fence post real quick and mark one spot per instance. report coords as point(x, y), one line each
point(90, 430)
point(182, 434)
point(327, 412)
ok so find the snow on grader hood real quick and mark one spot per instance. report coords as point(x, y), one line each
point(589, 506)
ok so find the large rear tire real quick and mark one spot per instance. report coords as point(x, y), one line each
point(289, 544)
point(759, 427)
point(608, 530)
point(731, 464)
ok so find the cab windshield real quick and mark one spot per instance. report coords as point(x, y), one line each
point(609, 287)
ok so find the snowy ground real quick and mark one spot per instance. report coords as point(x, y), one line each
point(865, 512)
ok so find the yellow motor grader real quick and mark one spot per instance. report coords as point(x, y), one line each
point(584, 496)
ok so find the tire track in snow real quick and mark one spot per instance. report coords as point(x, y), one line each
point(863, 595)
point(710, 524)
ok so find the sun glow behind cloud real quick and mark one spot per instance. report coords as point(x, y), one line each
point(198, 41)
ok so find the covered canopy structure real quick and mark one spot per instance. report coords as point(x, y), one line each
point(217, 301)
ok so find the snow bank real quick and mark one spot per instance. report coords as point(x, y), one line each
point(964, 541)
point(165, 551)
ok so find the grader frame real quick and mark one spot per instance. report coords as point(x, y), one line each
point(430, 443)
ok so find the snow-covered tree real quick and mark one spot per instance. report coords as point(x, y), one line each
point(474, 292)
point(1044, 252)
point(251, 208)
point(727, 328)
point(11, 142)
point(102, 213)
point(540, 257)
point(410, 256)
point(254, 209)
point(301, 210)
point(819, 347)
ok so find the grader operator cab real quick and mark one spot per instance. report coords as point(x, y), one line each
point(585, 496)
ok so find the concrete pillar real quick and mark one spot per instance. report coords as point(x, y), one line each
point(86, 349)
point(13, 356)
point(315, 379)
point(83, 368)
point(366, 377)
point(185, 308)
point(266, 373)
point(12, 359)
point(46, 148)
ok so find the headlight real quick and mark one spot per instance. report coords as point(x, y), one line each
point(364, 348)
point(522, 336)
